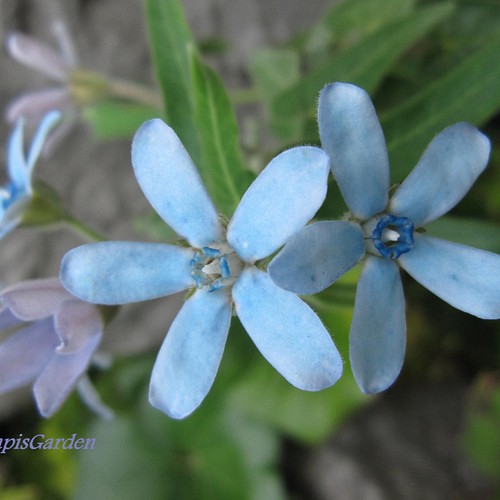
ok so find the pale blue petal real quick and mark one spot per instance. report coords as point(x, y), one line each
point(173, 186)
point(286, 331)
point(25, 353)
point(378, 330)
point(317, 255)
point(8, 320)
point(465, 277)
point(117, 272)
point(283, 198)
point(446, 171)
point(60, 376)
point(16, 163)
point(47, 124)
point(189, 358)
point(353, 139)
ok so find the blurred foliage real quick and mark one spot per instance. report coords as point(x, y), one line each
point(426, 65)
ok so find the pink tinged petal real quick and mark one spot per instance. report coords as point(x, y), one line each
point(465, 277)
point(118, 272)
point(446, 171)
point(352, 137)
point(35, 299)
point(59, 377)
point(66, 45)
point(36, 104)
point(378, 330)
point(286, 331)
point(317, 255)
point(37, 55)
point(76, 323)
point(283, 198)
point(8, 320)
point(25, 353)
point(189, 358)
point(173, 186)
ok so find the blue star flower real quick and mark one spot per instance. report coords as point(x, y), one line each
point(384, 232)
point(18, 191)
point(220, 264)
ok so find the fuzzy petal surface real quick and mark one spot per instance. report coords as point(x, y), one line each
point(446, 171)
point(76, 323)
point(465, 277)
point(317, 255)
point(60, 376)
point(172, 184)
point(189, 358)
point(377, 339)
point(118, 272)
point(25, 353)
point(286, 331)
point(37, 55)
point(31, 300)
point(352, 137)
point(283, 198)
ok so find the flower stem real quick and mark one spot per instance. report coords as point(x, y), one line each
point(135, 92)
point(82, 229)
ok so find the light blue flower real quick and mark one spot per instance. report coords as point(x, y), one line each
point(220, 264)
point(53, 337)
point(385, 232)
point(18, 191)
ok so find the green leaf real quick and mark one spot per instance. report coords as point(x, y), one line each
point(113, 119)
point(364, 64)
point(221, 167)
point(470, 92)
point(171, 38)
point(468, 231)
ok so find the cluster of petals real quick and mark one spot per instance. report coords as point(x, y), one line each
point(57, 65)
point(17, 192)
point(50, 338)
point(383, 232)
point(222, 266)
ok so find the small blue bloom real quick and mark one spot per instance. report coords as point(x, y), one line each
point(53, 338)
point(383, 231)
point(18, 191)
point(220, 264)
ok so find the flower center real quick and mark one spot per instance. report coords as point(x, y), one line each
point(393, 236)
point(215, 268)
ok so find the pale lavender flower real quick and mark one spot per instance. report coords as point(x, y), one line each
point(53, 337)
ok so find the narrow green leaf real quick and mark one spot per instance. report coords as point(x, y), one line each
point(470, 92)
point(364, 64)
point(114, 120)
point(221, 166)
point(170, 41)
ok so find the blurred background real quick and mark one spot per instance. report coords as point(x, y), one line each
point(436, 433)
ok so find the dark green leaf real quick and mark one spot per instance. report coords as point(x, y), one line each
point(364, 64)
point(470, 92)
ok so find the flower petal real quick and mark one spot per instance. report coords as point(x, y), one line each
point(352, 137)
point(25, 353)
point(118, 272)
point(16, 162)
point(378, 330)
point(465, 277)
point(7, 320)
point(75, 323)
point(283, 198)
point(60, 376)
point(317, 255)
point(446, 171)
point(286, 331)
point(31, 300)
point(35, 104)
point(172, 184)
point(189, 358)
point(35, 54)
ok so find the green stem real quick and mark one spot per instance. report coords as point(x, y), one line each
point(83, 230)
point(135, 92)
point(249, 95)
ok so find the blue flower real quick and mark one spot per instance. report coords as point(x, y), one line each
point(15, 195)
point(384, 232)
point(53, 337)
point(219, 264)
